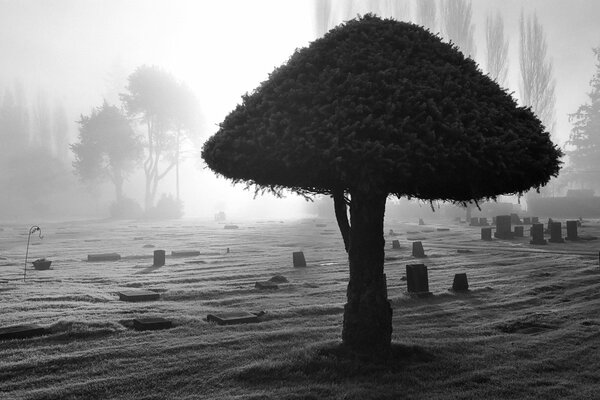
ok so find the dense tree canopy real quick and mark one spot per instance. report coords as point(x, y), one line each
point(384, 105)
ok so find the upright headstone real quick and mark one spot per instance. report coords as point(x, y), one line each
point(494, 221)
point(483, 221)
point(503, 227)
point(550, 221)
point(486, 233)
point(535, 220)
point(417, 281)
point(159, 258)
point(537, 234)
point(460, 283)
point(526, 220)
point(518, 231)
point(298, 259)
point(572, 230)
point(474, 221)
point(556, 233)
point(395, 244)
point(417, 250)
point(421, 222)
point(514, 219)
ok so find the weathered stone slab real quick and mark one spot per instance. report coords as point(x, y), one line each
point(421, 222)
point(231, 227)
point(483, 221)
point(21, 331)
point(266, 285)
point(395, 244)
point(556, 233)
point(526, 220)
point(159, 258)
point(185, 253)
point(460, 283)
point(474, 221)
point(519, 230)
point(232, 317)
point(417, 281)
point(151, 324)
point(537, 234)
point(503, 227)
point(138, 295)
point(572, 230)
point(42, 264)
point(514, 219)
point(442, 229)
point(278, 279)
point(417, 250)
point(298, 259)
point(486, 234)
point(535, 220)
point(104, 257)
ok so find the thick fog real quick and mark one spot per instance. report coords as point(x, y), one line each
point(62, 59)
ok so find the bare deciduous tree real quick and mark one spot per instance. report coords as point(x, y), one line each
point(456, 25)
point(537, 81)
point(323, 21)
point(426, 14)
point(497, 48)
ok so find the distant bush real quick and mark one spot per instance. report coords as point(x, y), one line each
point(167, 207)
point(125, 208)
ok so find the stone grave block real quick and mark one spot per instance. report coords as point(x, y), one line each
point(138, 295)
point(503, 227)
point(514, 219)
point(483, 221)
point(396, 244)
point(442, 229)
point(421, 222)
point(519, 230)
point(231, 227)
point(104, 257)
point(298, 259)
point(21, 331)
point(417, 250)
point(151, 324)
point(556, 233)
point(159, 258)
point(321, 225)
point(185, 253)
point(493, 220)
point(486, 233)
point(460, 283)
point(232, 317)
point(535, 220)
point(474, 221)
point(266, 285)
point(42, 264)
point(537, 234)
point(526, 220)
point(417, 280)
point(572, 230)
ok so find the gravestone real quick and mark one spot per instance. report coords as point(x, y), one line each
point(526, 220)
point(460, 283)
point(514, 219)
point(395, 244)
point(442, 229)
point(231, 227)
point(486, 233)
point(185, 253)
point(159, 258)
point(556, 233)
point(138, 295)
point(417, 250)
point(298, 259)
point(42, 264)
point(21, 331)
point(103, 257)
point(550, 221)
point(232, 317)
point(151, 324)
point(266, 285)
point(474, 221)
point(392, 233)
point(421, 222)
point(537, 234)
point(572, 230)
point(417, 281)
point(503, 227)
point(535, 220)
point(518, 231)
point(494, 221)
point(279, 279)
point(483, 221)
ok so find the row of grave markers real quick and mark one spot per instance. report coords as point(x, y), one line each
point(504, 231)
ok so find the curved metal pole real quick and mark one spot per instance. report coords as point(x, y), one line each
point(33, 229)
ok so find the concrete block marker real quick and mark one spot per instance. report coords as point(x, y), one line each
point(417, 281)
point(159, 258)
point(42, 264)
point(21, 331)
point(518, 231)
point(537, 234)
point(474, 221)
point(103, 257)
point(231, 227)
point(460, 283)
point(395, 244)
point(138, 295)
point(232, 318)
point(298, 259)
point(151, 324)
point(185, 253)
point(527, 220)
point(483, 221)
point(266, 285)
point(486, 234)
point(556, 233)
point(417, 250)
point(503, 227)
point(572, 230)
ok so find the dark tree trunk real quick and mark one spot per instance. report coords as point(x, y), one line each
point(341, 215)
point(367, 314)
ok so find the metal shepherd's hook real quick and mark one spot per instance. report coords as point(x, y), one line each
point(33, 229)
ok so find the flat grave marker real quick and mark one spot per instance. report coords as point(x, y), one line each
point(185, 253)
point(232, 318)
point(151, 324)
point(103, 257)
point(42, 264)
point(231, 227)
point(266, 285)
point(21, 331)
point(138, 295)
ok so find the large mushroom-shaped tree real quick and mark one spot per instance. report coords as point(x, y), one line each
point(372, 109)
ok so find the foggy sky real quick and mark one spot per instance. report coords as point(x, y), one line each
point(81, 51)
